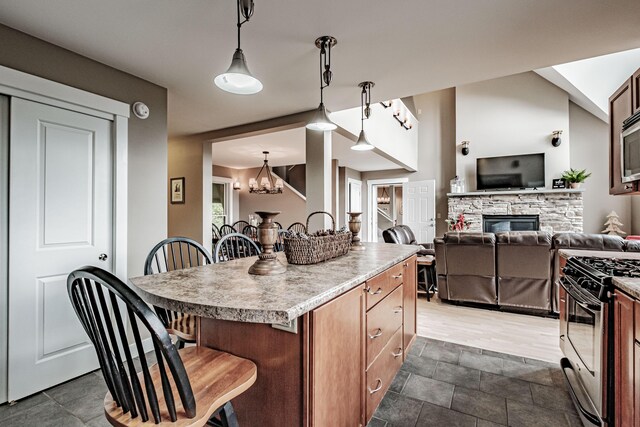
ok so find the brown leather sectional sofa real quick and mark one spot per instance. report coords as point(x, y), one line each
point(511, 270)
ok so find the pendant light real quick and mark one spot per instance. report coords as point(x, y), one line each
point(320, 120)
point(384, 198)
point(238, 79)
point(365, 112)
point(265, 184)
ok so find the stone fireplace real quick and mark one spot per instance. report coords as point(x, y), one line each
point(553, 210)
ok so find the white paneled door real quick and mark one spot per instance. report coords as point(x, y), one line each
point(60, 218)
point(419, 209)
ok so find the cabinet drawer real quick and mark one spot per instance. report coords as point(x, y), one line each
point(381, 372)
point(383, 321)
point(381, 285)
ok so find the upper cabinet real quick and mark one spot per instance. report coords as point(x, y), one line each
point(622, 104)
point(635, 91)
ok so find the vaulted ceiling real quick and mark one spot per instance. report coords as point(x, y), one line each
point(406, 47)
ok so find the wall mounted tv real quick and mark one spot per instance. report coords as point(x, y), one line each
point(510, 172)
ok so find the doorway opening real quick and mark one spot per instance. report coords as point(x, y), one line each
point(385, 206)
point(221, 201)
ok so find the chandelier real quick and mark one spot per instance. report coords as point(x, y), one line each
point(384, 198)
point(265, 183)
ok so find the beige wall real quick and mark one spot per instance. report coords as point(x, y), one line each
point(436, 150)
point(147, 156)
point(185, 160)
point(590, 150)
point(510, 116)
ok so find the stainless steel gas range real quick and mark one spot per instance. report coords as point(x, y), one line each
point(586, 331)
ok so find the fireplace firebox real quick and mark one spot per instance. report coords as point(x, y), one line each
point(496, 223)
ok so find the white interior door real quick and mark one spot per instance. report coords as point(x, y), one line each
point(355, 197)
point(60, 218)
point(419, 209)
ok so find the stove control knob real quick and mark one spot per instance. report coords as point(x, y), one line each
point(569, 271)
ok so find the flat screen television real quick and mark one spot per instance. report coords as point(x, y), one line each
point(502, 173)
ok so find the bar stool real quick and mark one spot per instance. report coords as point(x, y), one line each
point(204, 380)
point(176, 253)
point(426, 265)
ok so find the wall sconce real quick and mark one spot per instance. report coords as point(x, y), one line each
point(386, 104)
point(465, 147)
point(403, 122)
point(556, 141)
point(236, 185)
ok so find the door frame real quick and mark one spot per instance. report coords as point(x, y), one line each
point(228, 195)
point(14, 83)
point(371, 202)
point(33, 88)
point(348, 197)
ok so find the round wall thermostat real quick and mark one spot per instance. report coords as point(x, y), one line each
point(141, 110)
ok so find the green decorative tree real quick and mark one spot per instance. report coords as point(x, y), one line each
point(613, 225)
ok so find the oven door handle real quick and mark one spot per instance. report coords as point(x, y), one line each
point(565, 364)
point(579, 300)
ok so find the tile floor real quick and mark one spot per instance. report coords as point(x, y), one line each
point(440, 384)
point(447, 384)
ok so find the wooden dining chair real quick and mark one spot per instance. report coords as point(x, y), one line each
point(226, 229)
point(235, 246)
point(215, 234)
point(251, 231)
point(176, 253)
point(298, 227)
point(190, 387)
point(238, 226)
point(279, 246)
point(279, 225)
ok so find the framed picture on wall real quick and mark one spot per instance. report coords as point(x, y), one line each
point(177, 190)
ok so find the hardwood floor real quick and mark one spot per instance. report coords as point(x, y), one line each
point(518, 334)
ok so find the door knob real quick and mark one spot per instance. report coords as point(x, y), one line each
point(102, 257)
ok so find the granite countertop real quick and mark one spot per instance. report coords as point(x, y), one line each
point(227, 291)
point(626, 284)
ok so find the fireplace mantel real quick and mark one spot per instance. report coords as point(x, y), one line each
point(558, 209)
point(510, 192)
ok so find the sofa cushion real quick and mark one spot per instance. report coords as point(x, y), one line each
point(632, 245)
point(595, 242)
point(524, 238)
point(470, 238)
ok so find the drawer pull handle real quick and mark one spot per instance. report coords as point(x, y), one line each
point(378, 387)
point(397, 310)
point(368, 290)
point(377, 334)
point(398, 354)
point(399, 276)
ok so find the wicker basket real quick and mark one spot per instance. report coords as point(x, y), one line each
point(315, 249)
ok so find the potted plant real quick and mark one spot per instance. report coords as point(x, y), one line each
point(575, 177)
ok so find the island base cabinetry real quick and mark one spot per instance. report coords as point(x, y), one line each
point(330, 373)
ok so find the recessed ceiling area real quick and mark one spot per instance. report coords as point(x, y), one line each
point(406, 48)
point(288, 148)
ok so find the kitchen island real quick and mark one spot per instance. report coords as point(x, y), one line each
point(327, 338)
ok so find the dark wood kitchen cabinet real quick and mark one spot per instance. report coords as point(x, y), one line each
point(625, 369)
point(620, 108)
point(635, 91)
